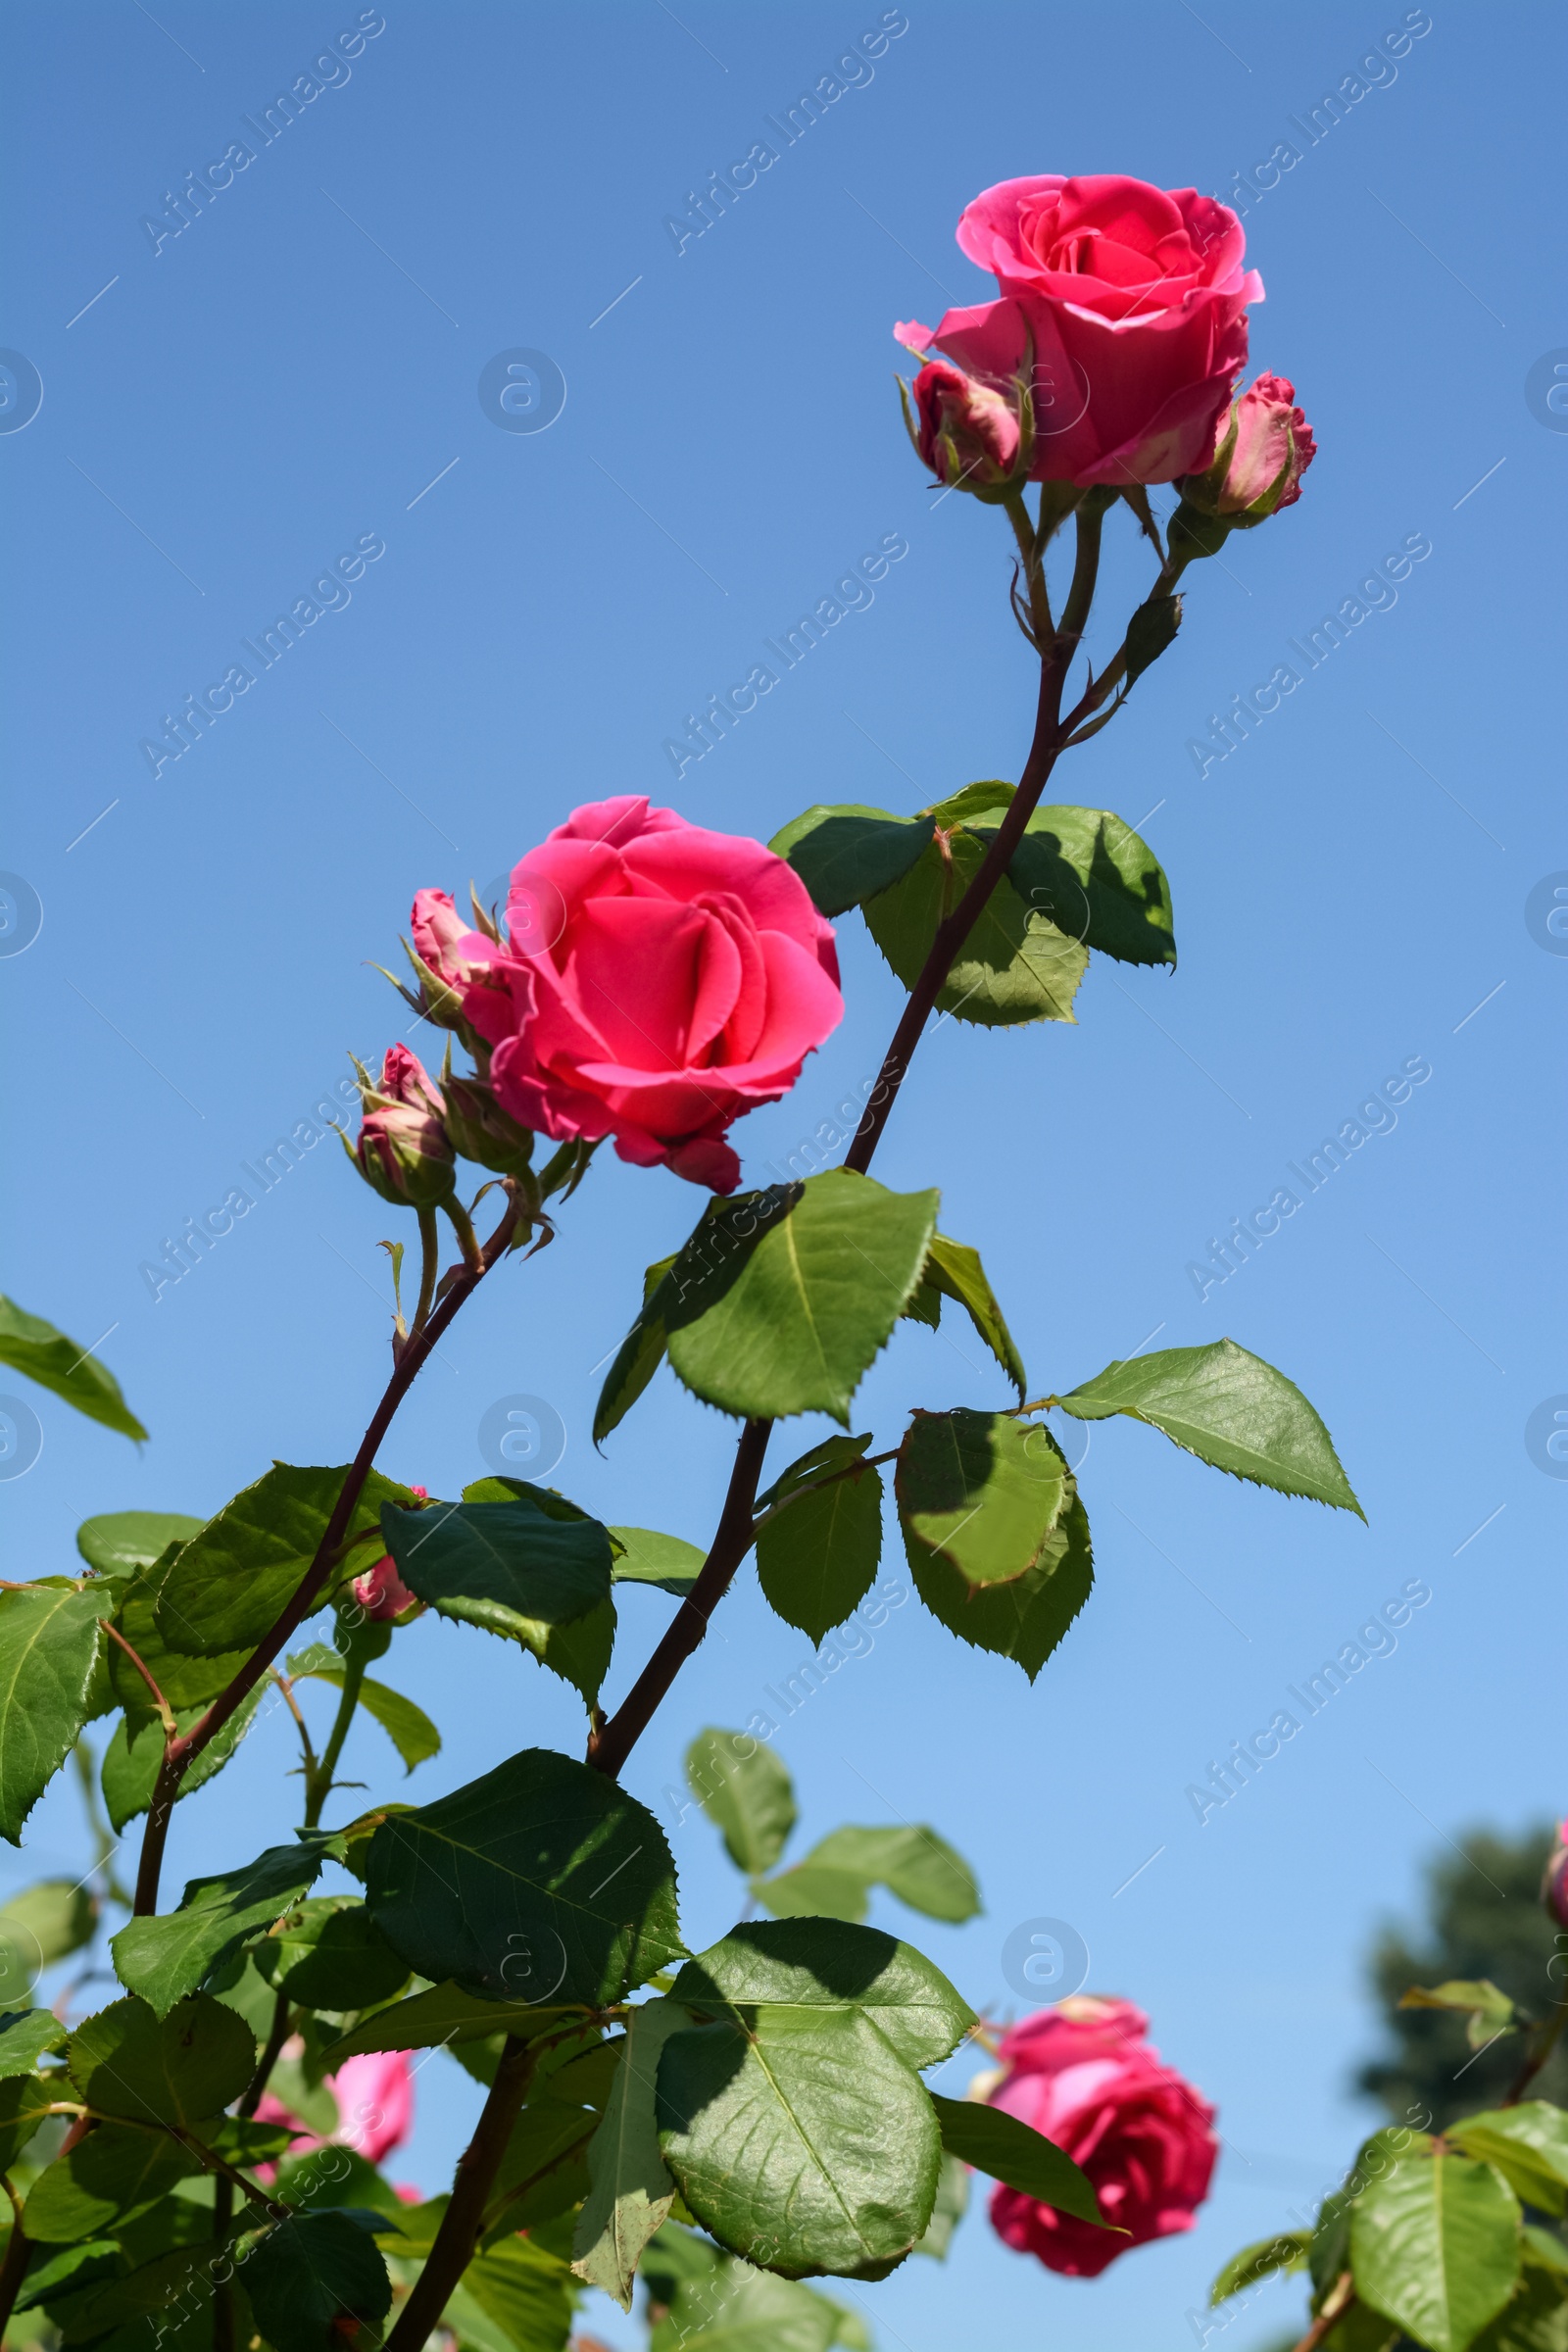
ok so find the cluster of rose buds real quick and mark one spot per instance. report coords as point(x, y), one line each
point(414, 1132)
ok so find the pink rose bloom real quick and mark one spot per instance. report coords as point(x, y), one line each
point(381, 1592)
point(1267, 448)
point(1084, 2076)
point(1134, 301)
point(1554, 1882)
point(968, 432)
point(374, 2096)
point(658, 981)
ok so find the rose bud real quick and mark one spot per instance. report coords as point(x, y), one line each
point(1263, 453)
point(968, 434)
point(452, 962)
point(1554, 1882)
point(403, 1151)
point(482, 1130)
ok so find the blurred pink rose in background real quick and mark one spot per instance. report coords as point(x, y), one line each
point(374, 2096)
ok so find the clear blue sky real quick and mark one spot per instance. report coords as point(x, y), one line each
point(299, 371)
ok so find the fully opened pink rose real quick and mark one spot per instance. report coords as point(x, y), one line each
point(1085, 2075)
point(1125, 308)
point(658, 981)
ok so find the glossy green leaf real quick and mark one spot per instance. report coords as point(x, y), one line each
point(797, 2135)
point(165, 1959)
point(231, 1581)
point(1528, 2144)
point(991, 795)
point(648, 1558)
point(577, 1648)
point(638, 1358)
point(632, 2191)
point(26, 2037)
point(731, 2307)
point(1023, 1620)
point(1534, 2318)
point(997, 2143)
point(980, 1492)
point(29, 1344)
point(50, 1640)
point(814, 1965)
point(1487, 2010)
point(1097, 881)
point(445, 2015)
point(408, 1727)
point(329, 1954)
point(118, 1542)
point(746, 1791)
point(1435, 2247)
point(520, 2293)
point(314, 2280)
point(505, 1566)
point(543, 1879)
point(820, 1461)
point(1262, 2260)
point(179, 2069)
point(115, 2172)
point(187, 1680)
point(806, 1892)
point(781, 1301)
point(1015, 965)
point(1231, 1410)
point(911, 1862)
point(135, 1750)
point(954, 1271)
point(953, 2203)
point(844, 855)
point(131, 2308)
point(817, 1555)
point(24, 2102)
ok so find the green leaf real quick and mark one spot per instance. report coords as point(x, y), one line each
point(1489, 2011)
point(505, 1566)
point(640, 1354)
point(807, 1892)
point(1097, 881)
point(1015, 965)
point(187, 1682)
point(1260, 2260)
point(577, 1648)
point(1023, 1620)
point(118, 1542)
point(135, 1752)
point(817, 1552)
point(1535, 2319)
point(733, 2308)
point(408, 1727)
point(1545, 2251)
point(329, 1954)
point(1151, 629)
point(1435, 2247)
point(1529, 2146)
point(631, 2190)
point(50, 1639)
point(911, 1862)
point(953, 2203)
point(797, 2135)
point(24, 2103)
point(445, 2015)
point(747, 1794)
point(780, 1301)
point(974, 800)
point(521, 2292)
point(115, 2172)
point(981, 1491)
point(165, 1959)
point(41, 1924)
point(147, 2294)
point(29, 1344)
point(848, 853)
point(179, 2069)
point(822, 1462)
point(954, 1271)
point(997, 2143)
point(26, 2037)
point(231, 1581)
point(543, 1878)
point(309, 2276)
point(647, 1558)
point(813, 1965)
point(1231, 1410)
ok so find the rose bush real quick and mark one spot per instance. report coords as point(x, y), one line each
point(1123, 304)
point(658, 981)
point(1085, 2075)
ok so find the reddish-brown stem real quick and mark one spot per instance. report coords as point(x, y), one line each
point(165, 1711)
point(612, 1742)
point(1336, 2303)
point(478, 2166)
point(181, 1752)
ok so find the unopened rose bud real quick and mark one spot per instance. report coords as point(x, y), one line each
point(482, 1130)
point(970, 437)
point(404, 1151)
point(1267, 447)
point(1554, 1882)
